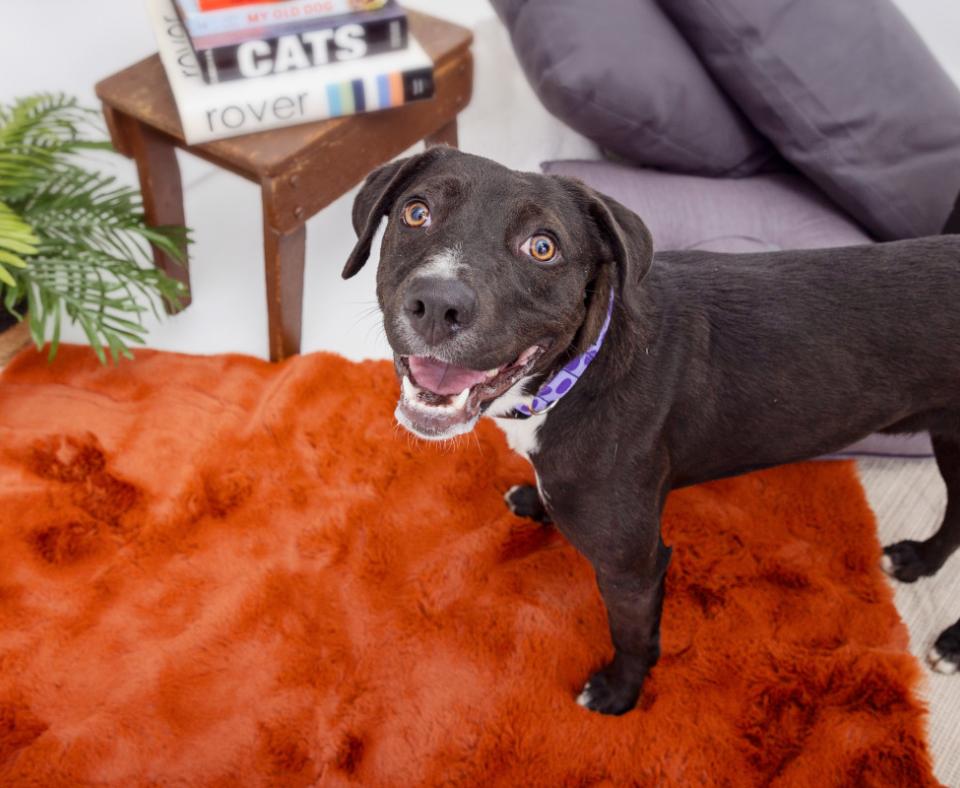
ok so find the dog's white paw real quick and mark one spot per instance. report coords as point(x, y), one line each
point(940, 662)
point(886, 564)
point(584, 697)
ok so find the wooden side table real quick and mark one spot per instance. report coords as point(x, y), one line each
point(301, 169)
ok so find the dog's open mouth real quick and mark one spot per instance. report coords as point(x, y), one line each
point(440, 400)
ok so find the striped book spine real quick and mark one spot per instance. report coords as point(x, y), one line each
point(381, 91)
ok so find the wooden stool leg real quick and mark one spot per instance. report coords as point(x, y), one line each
point(162, 189)
point(284, 257)
point(447, 135)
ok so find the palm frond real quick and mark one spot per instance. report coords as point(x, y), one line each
point(76, 242)
point(80, 204)
point(36, 133)
point(16, 238)
point(46, 120)
point(106, 295)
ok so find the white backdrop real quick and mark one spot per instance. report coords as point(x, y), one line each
point(64, 45)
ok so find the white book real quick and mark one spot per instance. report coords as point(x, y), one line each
point(229, 109)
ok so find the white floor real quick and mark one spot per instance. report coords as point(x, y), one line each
point(908, 497)
point(83, 42)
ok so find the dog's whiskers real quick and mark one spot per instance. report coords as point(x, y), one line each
point(380, 332)
point(476, 440)
point(366, 315)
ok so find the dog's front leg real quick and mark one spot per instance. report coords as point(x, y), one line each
point(524, 501)
point(633, 595)
point(621, 539)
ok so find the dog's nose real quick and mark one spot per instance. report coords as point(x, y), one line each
point(438, 308)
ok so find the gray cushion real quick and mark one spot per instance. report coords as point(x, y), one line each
point(624, 77)
point(759, 213)
point(848, 93)
point(764, 212)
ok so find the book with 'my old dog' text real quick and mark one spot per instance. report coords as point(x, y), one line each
point(235, 22)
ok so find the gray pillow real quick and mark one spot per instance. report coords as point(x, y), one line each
point(620, 74)
point(848, 93)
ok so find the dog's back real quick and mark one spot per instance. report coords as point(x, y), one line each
point(771, 349)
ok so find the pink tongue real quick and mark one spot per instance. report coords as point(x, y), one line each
point(442, 378)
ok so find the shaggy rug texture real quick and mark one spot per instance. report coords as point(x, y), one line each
point(214, 571)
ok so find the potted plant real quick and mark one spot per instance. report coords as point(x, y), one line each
point(73, 242)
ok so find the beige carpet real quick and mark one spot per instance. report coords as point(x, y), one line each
point(908, 497)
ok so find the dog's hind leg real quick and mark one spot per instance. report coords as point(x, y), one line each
point(944, 657)
point(910, 560)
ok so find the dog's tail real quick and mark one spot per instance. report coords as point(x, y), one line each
point(952, 227)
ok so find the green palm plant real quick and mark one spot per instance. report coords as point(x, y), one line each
point(73, 242)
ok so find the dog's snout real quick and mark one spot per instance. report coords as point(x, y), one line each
point(437, 308)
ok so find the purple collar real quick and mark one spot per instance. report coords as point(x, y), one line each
point(551, 392)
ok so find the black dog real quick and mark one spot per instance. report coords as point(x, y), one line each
point(710, 365)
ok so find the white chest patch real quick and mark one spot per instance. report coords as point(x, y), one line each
point(522, 434)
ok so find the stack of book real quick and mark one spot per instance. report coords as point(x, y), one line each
point(237, 67)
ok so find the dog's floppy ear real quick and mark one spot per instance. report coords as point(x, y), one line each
point(628, 250)
point(630, 244)
point(377, 197)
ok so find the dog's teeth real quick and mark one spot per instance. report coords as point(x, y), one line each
point(461, 400)
point(409, 390)
point(492, 373)
point(527, 354)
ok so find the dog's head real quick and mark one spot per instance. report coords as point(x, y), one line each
point(488, 276)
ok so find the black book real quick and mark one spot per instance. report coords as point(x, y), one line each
point(301, 45)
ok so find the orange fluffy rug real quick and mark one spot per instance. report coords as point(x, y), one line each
point(218, 572)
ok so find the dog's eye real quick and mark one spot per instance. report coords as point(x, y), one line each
point(416, 214)
point(541, 248)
